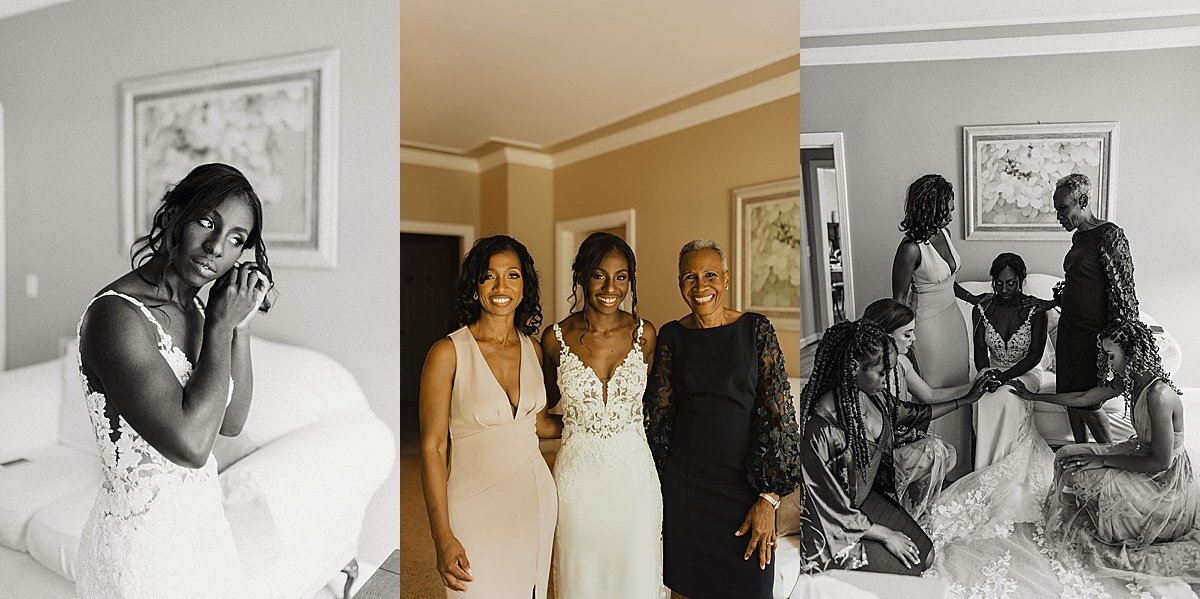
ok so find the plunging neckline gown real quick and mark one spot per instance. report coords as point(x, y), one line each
point(942, 353)
point(157, 529)
point(609, 537)
point(500, 494)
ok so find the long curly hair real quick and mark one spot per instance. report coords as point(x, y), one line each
point(528, 317)
point(1136, 341)
point(194, 197)
point(591, 252)
point(926, 205)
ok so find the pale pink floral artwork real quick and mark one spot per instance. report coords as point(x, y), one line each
point(264, 130)
point(1016, 178)
point(774, 256)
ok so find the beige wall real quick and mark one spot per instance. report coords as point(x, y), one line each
point(439, 195)
point(530, 205)
point(493, 201)
point(903, 120)
point(58, 84)
point(679, 185)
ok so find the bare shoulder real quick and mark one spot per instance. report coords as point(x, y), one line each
point(114, 321)
point(649, 332)
point(1160, 395)
point(908, 248)
point(441, 356)
point(905, 363)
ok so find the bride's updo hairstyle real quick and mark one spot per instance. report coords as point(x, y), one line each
point(195, 197)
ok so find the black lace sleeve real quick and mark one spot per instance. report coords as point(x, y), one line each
point(1118, 266)
point(658, 409)
point(773, 457)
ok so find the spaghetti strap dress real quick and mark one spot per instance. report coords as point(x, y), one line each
point(501, 497)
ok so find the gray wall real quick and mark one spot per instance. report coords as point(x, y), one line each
point(903, 120)
point(58, 86)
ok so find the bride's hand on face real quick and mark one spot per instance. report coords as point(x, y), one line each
point(237, 295)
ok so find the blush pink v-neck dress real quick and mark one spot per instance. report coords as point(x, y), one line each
point(502, 499)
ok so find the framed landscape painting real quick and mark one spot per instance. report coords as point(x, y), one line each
point(276, 120)
point(767, 251)
point(1010, 172)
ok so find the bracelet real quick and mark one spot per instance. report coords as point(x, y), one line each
point(774, 502)
point(956, 406)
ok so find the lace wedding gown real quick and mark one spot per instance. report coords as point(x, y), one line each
point(157, 529)
point(608, 542)
point(989, 529)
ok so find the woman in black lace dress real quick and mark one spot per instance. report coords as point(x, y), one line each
point(1097, 291)
point(721, 425)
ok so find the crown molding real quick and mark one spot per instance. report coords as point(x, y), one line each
point(516, 156)
point(420, 157)
point(1052, 19)
point(731, 103)
point(734, 102)
point(1112, 41)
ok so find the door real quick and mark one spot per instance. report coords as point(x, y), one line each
point(428, 273)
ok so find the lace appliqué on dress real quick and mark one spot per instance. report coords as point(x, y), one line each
point(603, 431)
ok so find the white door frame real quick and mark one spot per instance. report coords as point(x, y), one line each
point(3, 259)
point(568, 234)
point(464, 233)
point(834, 140)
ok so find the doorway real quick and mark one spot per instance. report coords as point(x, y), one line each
point(569, 234)
point(430, 258)
point(829, 286)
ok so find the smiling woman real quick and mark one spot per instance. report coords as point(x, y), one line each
point(491, 502)
point(723, 432)
point(163, 376)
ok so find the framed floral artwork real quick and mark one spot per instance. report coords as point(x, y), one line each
point(766, 253)
point(1010, 172)
point(276, 120)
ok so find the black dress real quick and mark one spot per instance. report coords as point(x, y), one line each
point(722, 427)
point(1097, 289)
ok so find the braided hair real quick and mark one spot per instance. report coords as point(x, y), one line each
point(845, 344)
point(926, 206)
point(591, 253)
point(1141, 355)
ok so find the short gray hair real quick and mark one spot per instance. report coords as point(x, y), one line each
point(696, 245)
point(1078, 185)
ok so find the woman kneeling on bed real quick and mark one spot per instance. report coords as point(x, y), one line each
point(847, 417)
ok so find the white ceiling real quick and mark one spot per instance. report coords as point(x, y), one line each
point(542, 71)
point(840, 17)
point(9, 8)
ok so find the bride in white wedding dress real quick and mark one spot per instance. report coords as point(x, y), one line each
point(608, 539)
point(989, 528)
point(162, 377)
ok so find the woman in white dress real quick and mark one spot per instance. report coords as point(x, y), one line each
point(163, 377)
point(608, 540)
point(1009, 340)
point(1014, 463)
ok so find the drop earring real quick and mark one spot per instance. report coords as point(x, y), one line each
point(475, 296)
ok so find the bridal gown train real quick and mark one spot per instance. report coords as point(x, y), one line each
point(608, 543)
point(157, 529)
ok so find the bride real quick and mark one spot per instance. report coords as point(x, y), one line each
point(996, 530)
point(162, 377)
point(608, 539)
